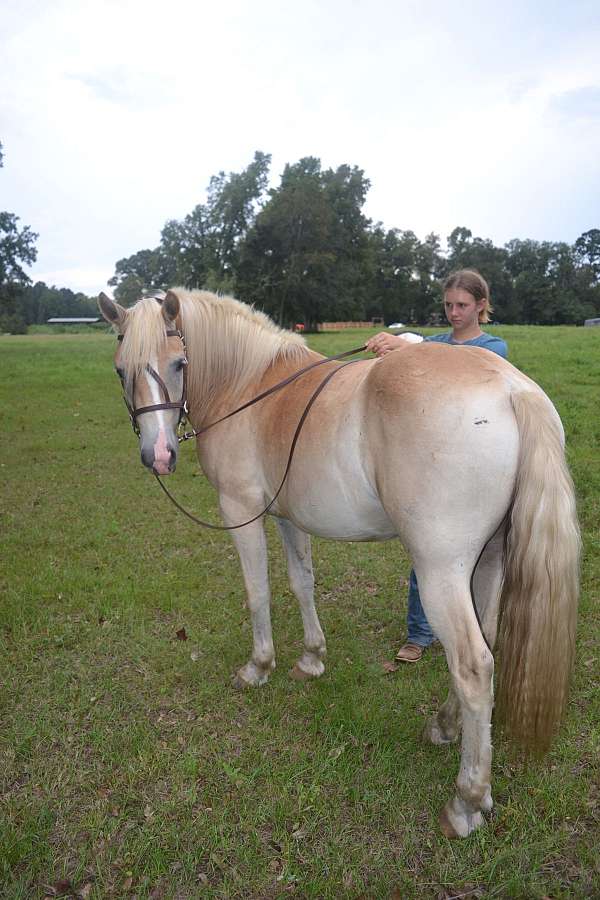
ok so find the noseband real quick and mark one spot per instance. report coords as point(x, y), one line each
point(181, 405)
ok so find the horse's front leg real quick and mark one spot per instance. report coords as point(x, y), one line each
point(296, 544)
point(251, 546)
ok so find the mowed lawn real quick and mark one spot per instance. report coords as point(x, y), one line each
point(128, 764)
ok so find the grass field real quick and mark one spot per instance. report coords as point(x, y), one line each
point(128, 764)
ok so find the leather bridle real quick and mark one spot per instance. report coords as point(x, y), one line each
point(181, 404)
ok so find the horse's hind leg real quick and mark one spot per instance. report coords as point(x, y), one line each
point(446, 599)
point(251, 546)
point(296, 544)
point(444, 728)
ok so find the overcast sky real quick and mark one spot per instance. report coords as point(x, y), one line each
point(114, 115)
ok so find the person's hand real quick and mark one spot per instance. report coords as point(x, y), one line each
point(383, 343)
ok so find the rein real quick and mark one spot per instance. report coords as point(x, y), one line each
point(277, 387)
point(301, 422)
point(183, 412)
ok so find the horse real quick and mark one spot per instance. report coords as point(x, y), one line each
point(450, 449)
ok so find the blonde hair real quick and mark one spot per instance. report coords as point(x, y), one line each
point(473, 283)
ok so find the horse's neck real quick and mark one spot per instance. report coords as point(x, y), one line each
point(222, 397)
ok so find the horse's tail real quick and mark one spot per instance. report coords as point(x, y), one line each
point(538, 604)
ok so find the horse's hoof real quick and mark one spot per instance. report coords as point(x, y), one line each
point(239, 683)
point(299, 674)
point(458, 826)
point(447, 827)
point(250, 676)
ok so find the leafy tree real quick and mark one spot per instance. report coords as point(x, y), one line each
point(396, 288)
point(143, 271)
point(303, 260)
point(202, 249)
point(39, 302)
point(17, 248)
point(428, 269)
point(305, 252)
point(587, 252)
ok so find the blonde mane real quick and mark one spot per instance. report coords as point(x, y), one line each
point(146, 335)
point(229, 344)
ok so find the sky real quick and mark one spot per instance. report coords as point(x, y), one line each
point(114, 115)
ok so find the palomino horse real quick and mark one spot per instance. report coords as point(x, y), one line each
point(451, 449)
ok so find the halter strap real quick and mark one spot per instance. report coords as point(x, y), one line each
point(181, 405)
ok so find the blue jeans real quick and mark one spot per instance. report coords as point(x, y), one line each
point(419, 629)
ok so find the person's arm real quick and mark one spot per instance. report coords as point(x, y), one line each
point(383, 343)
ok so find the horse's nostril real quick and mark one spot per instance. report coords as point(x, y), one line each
point(147, 454)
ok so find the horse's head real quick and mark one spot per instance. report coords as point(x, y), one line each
point(150, 361)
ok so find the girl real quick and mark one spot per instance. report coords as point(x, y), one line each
point(467, 306)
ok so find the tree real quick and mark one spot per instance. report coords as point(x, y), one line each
point(143, 271)
point(587, 252)
point(39, 302)
point(17, 248)
point(201, 250)
point(304, 258)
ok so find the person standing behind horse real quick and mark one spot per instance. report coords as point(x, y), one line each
point(467, 307)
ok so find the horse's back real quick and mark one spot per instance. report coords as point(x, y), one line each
point(444, 442)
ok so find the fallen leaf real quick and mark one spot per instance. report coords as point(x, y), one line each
point(388, 666)
point(61, 888)
point(84, 891)
point(181, 634)
point(337, 751)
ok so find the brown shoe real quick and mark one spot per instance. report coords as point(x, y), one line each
point(409, 653)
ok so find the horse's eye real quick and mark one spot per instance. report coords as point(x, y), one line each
point(180, 363)
point(120, 372)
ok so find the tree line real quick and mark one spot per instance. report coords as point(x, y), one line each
point(304, 251)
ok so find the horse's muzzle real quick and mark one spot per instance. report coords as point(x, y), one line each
point(162, 462)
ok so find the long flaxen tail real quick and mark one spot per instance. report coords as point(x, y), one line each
point(538, 605)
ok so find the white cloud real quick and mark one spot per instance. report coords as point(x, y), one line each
point(116, 123)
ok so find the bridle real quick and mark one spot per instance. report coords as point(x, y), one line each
point(182, 406)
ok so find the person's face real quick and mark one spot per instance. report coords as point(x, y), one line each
point(462, 309)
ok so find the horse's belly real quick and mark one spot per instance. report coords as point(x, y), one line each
point(337, 512)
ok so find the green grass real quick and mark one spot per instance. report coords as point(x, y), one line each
point(129, 766)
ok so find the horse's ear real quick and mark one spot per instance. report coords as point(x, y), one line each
point(170, 306)
point(112, 312)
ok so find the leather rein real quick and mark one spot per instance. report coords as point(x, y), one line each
point(182, 406)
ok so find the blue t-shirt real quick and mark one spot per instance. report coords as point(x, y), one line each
point(488, 341)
